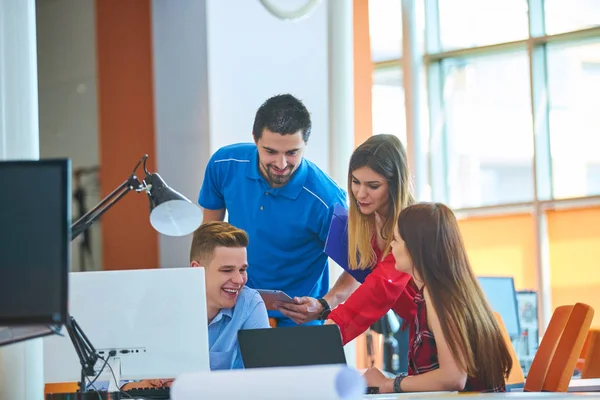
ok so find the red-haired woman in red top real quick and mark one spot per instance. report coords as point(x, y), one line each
point(455, 342)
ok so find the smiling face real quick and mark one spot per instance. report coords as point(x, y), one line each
point(370, 190)
point(225, 276)
point(279, 156)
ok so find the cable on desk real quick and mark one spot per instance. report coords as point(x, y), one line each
point(118, 384)
point(91, 383)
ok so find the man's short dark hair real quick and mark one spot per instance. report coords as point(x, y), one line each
point(283, 114)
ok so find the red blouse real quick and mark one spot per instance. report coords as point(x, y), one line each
point(383, 289)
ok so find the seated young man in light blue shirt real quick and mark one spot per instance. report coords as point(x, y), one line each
point(220, 248)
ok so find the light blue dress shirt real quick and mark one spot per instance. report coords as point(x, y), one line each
point(249, 312)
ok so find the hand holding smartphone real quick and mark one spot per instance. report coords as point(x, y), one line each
point(271, 296)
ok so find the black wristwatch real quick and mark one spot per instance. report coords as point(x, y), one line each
point(397, 381)
point(326, 309)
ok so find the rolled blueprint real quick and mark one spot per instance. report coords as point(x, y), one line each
point(323, 382)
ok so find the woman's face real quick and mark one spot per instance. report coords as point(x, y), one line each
point(403, 261)
point(370, 190)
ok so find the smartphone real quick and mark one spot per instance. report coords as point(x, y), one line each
point(271, 296)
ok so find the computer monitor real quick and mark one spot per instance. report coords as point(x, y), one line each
point(35, 221)
point(501, 295)
point(528, 317)
point(154, 319)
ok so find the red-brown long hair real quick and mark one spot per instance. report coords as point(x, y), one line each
point(434, 243)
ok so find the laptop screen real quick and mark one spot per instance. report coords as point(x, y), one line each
point(291, 346)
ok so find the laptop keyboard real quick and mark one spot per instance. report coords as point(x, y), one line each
point(158, 393)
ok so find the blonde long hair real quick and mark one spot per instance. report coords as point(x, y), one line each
point(386, 156)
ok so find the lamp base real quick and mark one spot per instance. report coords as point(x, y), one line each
point(84, 396)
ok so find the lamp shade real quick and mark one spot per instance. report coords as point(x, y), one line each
point(171, 213)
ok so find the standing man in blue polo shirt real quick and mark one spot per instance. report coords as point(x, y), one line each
point(284, 202)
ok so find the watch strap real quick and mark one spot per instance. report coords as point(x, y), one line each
point(326, 309)
point(397, 380)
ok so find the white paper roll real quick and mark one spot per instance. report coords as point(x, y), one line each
point(327, 382)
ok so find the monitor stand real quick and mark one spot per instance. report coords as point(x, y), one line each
point(114, 370)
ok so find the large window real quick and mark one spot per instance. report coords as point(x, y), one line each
point(506, 249)
point(574, 255)
point(570, 15)
point(385, 29)
point(574, 89)
point(388, 103)
point(470, 23)
point(511, 138)
point(487, 115)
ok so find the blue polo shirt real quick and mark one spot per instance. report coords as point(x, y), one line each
point(287, 226)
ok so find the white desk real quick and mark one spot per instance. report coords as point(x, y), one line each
point(576, 385)
point(403, 396)
point(584, 385)
point(483, 396)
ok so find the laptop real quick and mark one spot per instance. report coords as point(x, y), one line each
point(291, 346)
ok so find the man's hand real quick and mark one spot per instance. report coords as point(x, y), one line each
point(147, 383)
point(161, 382)
point(304, 309)
point(375, 377)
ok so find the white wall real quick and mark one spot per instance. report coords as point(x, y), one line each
point(215, 62)
point(67, 94)
point(181, 106)
point(252, 56)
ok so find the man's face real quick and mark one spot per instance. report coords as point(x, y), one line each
point(225, 276)
point(279, 156)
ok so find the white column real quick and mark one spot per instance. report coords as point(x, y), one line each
point(542, 159)
point(19, 131)
point(341, 107)
point(411, 63)
point(181, 100)
point(341, 89)
point(21, 365)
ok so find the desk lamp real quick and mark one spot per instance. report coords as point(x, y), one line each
point(171, 214)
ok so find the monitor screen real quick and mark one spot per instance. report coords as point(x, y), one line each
point(35, 217)
point(155, 321)
point(502, 298)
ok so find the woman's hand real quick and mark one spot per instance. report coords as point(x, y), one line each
point(375, 377)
